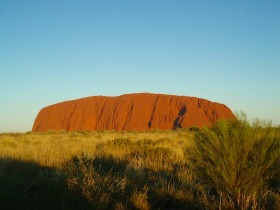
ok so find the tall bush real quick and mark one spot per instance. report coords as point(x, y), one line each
point(236, 158)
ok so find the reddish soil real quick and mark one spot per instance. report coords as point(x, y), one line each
point(139, 112)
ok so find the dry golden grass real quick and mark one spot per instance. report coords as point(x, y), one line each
point(117, 170)
point(54, 148)
point(108, 169)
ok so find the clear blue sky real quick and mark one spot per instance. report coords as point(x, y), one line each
point(224, 51)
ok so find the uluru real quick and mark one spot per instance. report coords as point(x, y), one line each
point(131, 112)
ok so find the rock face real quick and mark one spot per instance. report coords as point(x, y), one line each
point(141, 111)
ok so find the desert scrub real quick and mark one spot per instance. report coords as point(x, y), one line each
point(111, 183)
point(122, 170)
point(236, 159)
point(141, 170)
point(102, 181)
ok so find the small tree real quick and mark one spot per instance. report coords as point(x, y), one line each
point(236, 158)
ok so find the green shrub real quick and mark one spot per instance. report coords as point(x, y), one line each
point(236, 159)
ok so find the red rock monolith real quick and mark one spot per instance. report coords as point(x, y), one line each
point(138, 112)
